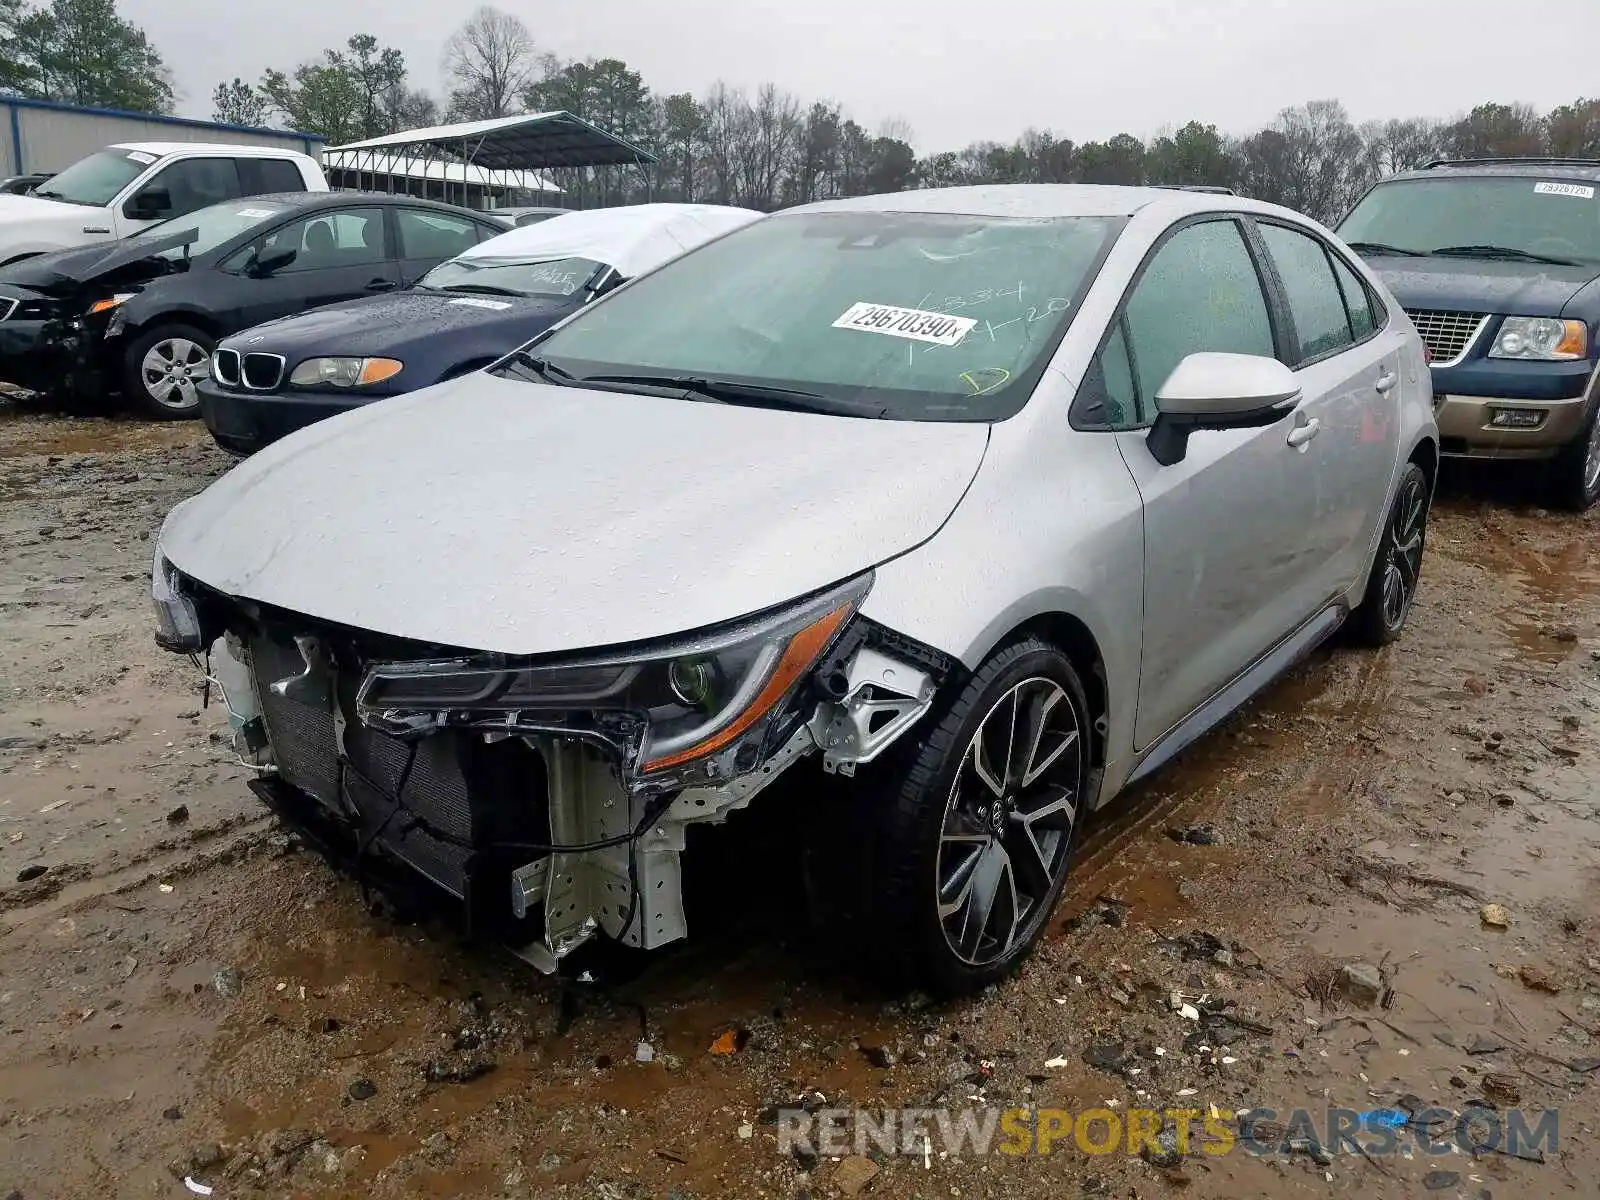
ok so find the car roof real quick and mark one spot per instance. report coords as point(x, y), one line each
point(1584, 170)
point(1038, 201)
point(632, 238)
point(249, 151)
point(317, 200)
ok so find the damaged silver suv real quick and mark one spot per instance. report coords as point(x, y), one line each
point(991, 498)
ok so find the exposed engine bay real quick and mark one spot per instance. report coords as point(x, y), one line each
point(551, 799)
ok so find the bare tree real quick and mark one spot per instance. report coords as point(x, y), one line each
point(489, 61)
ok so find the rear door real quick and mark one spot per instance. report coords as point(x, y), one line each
point(1349, 372)
point(427, 237)
point(340, 254)
point(1224, 576)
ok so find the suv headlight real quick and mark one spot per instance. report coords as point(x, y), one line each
point(177, 620)
point(344, 372)
point(697, 698)
point(1543, 339)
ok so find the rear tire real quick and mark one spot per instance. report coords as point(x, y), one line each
point(161, 367)
point(973, 853)
point(1575, 477)
point(1397, 567)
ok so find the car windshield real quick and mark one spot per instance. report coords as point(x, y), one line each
point(213, 226)
point(511, 277)
point(96, 180)
point(920, 316)
point(1545, 217)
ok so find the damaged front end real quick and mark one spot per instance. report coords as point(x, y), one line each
point(550, 795)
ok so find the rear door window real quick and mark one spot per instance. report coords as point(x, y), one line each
point(1315, 300)
point(1357, 299)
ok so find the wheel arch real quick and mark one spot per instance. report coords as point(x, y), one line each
point(1426, 455)
point(1073, 637)
point(201, 321)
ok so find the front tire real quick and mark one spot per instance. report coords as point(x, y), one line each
point(161, 369)
point(1397, 568)
point(1576, 478)
point(974, 852)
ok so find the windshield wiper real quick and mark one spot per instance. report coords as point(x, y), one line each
point(1506, 252)
point(728, 391)
point(544, 369)
point(485, 289)
point(1384, 248)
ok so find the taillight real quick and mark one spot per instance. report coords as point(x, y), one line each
point(1427, 355)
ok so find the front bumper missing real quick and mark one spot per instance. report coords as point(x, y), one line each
point(543, 903)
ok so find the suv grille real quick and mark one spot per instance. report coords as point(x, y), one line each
point(1448, 335)
point(225, 367)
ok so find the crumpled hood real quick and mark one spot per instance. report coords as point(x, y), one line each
point(494, 514)
point(127, 260)
point(393, 325)
point(1481, 285)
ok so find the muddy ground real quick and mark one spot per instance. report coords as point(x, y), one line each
point(186, 993)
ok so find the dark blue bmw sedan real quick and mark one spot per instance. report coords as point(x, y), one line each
point(461, 316)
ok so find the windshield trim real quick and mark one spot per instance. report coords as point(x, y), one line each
point(901, 404)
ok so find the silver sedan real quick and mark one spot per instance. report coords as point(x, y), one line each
point(990, 500)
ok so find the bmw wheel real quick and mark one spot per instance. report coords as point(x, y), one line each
point(975, 851)
point(162, 369)
point(1392, 585)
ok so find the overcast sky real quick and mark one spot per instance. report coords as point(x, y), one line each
point(961, 70)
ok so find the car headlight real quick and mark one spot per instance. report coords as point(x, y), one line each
point(177, 620)
point(1545, 339)
point(344, 372)
point(696, 699)
point(110, 302)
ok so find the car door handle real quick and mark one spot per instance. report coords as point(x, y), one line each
point(1301, 435)
point(1385, 381)
point(381, 285)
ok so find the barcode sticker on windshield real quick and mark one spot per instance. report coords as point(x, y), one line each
point(139, 156)
point(255, 214)
point(1581, 190)
point(474, 302)
point(914, 323)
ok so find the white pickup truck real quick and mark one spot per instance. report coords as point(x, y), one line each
point(123, 188)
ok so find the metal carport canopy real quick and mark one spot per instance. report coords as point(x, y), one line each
point(530, 142)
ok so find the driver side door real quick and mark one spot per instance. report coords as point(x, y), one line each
point(339, 254)
point(1225, 574)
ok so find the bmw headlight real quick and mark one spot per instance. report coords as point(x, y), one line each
point(177, 620)
point(344, 372)
point(1544, 339)
point(696, 701)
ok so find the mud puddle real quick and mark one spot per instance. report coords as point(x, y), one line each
point(198, 998)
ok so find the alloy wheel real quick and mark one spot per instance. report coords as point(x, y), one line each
point(1008, 821)
point(170, 371)
point(1403, 564)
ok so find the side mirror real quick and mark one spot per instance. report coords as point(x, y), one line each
point(149, 204)
point(266, 264)
point(1219, 391)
